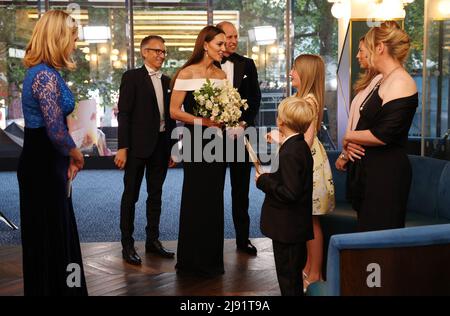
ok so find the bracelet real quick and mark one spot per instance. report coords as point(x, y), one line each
point(343, 157)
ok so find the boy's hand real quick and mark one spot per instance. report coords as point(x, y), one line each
point(274, 137)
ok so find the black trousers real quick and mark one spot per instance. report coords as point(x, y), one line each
point(290, 259)
point(155, 168)
point(240, 170)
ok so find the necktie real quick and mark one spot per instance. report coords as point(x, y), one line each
point(158, 74)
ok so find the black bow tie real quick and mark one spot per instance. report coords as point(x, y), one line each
point(225, 59)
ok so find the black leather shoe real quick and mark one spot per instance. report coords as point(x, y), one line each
point(130, 256)
point(248, 248)
point(157, 248)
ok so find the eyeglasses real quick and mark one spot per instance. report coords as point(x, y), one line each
point(157, 51)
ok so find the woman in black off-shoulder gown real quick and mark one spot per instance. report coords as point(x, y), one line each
point(379, 183)
point(201, 232)
point(379, 179)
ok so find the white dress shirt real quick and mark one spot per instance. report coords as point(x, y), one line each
point(157, 84)
point(228, 68)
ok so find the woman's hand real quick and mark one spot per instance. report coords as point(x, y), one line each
point(72, 171)
point(341, 163)
point(354, 151)
point(77, 158)
point(208, 123)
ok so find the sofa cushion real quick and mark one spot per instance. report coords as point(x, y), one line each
point(426, 176)
point(341, 221)
point(416, 219)
point(444, 193)
point(344, 219)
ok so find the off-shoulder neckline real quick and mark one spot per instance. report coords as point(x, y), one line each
point(397, 99)
point(194, 84)
point(202, 79)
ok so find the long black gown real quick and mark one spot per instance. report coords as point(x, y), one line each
point(379, 183)
point(201, 231)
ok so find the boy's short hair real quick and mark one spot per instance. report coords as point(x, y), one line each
point(296, 113)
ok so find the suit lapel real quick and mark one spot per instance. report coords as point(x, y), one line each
point(239, 68)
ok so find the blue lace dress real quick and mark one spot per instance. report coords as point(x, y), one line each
point(49, 233)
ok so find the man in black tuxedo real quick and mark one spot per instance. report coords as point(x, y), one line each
point(144, 134)
point(241, 71)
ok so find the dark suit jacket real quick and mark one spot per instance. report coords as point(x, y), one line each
point(245, 79)
point(286, 214)
point(139, 113)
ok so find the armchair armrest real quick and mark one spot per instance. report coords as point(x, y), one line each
point(393, 240)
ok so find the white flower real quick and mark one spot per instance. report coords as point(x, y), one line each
point(209, 105)
point(222, 105)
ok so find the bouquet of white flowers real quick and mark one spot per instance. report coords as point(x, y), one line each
point(220, 105)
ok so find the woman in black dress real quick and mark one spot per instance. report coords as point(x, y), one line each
point(380, 172)
point(201, 232)
point(52, 263)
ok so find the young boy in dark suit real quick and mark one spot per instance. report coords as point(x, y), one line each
point(286, 215)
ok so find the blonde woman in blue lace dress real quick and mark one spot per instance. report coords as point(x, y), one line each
point(50, 244)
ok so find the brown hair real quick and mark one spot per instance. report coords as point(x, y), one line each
point(206, 35)
point(392, 36)
point(52, 41)
point(311, 71)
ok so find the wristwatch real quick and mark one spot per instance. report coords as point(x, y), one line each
point(343, 156)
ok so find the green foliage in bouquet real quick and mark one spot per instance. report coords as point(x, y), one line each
point(205, 98)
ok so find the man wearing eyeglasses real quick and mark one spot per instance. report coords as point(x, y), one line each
point(144, 145)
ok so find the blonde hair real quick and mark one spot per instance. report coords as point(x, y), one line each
point(311, 71)
point(365, 78)
point(52, 41)
point(297, 113)
point(392, 36)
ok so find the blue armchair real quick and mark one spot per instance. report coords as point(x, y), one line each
point(403, 255)
point(411, 261)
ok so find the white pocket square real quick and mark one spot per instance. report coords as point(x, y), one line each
point(245, 76)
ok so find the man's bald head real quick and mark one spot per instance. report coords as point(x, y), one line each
point(231, 34)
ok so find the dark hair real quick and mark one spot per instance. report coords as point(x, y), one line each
point(147, 39)
point(206, 35)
